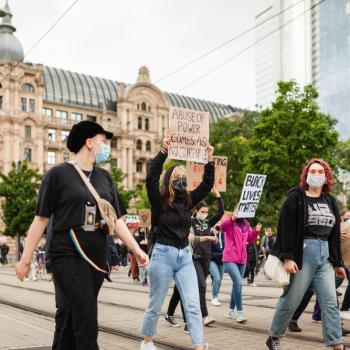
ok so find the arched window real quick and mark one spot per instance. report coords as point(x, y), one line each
point(143, 106)
point(27, 88)
point(0, 86)
point(139, 123)
point(147, 124)
point(148, 146)
point(139, 145)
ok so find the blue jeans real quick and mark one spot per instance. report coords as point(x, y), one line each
point(217, 273)
point(168, 263)
point(318, 274)
point(236, 272)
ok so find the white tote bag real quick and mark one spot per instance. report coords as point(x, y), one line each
point(274, 268)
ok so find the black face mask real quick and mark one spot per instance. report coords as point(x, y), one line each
point(179, 184)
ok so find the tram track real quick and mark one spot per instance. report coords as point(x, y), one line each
point(167, 345)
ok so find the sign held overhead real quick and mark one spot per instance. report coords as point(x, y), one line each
point(250, 196)
point(189, 133)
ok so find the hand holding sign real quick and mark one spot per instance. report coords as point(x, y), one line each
point(210, 151)
point(166, 143)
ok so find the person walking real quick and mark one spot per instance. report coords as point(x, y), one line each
point(308, 243)
point(171, 256)
point(79, 234)
point(267, 242)
point(252, 259)
point(237, 233)
point(216, 265)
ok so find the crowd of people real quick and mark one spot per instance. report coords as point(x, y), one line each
point(184, 244)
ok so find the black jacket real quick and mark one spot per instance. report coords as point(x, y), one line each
point(172, 229)
point(203, 228)
point(292, 227)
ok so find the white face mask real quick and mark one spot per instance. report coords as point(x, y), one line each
point(316, 181)
point(202, 216)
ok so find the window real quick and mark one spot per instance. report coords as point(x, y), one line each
point(114, 142)
point(66, 156)
point(47, 112)
point(64, 135)
point(24, 104)
point(149, 108)
point(139, 167)
point(28, 131)
point(27, 88)
point(138, 106)
point(0, 102)
point(31, 105)
point(0, 86)
point(148, 146)
point(63, 115)
point(52, 135)
point(91, 118)
point(143, 106)
point(139, 145)
point(139, 123)
point(51, 158)
point(76, 117)
point(28, 154)
point(147, 124)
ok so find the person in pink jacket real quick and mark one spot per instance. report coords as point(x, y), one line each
point(237, 234)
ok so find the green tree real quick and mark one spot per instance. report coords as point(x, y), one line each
point(288, 134)
point(19, 189)
point(125, 194)
point(230, 137)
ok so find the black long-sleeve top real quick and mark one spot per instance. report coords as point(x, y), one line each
point(292, 226)
point(203, 228)
point(173, 229)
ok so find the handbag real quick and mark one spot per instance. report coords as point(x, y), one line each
point(274, 268)
point(106, 209)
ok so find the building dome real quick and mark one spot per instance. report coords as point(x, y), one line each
point(10, 47)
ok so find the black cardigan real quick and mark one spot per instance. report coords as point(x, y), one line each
point(292, 227)
point(171, 229)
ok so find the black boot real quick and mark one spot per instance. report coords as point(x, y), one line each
point(293, 326)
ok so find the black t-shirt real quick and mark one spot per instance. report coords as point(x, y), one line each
point(64, 195)
point(321, 218)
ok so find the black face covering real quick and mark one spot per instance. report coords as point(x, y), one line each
point(179, 184)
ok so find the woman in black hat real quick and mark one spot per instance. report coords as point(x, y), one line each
point(78, 246)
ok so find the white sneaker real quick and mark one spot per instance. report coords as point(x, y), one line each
point(148, 346)
point(231, 314)
point(345, 315)
point(240, 317)
point(215, 302)
point(208, 321)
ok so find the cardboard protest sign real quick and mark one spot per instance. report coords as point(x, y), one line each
point(250, 196)
point(195, 173)
point(132, 221)
point(145, 217)
point(189, 132)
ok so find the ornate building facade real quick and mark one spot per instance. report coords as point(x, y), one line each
point(39, 105)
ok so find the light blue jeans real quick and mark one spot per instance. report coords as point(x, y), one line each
point(168, 263)
point(318, 273)
point(236, 272)
point(217, 273)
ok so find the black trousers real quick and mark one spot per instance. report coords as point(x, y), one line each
point(202, 266)
point(174, 302)
point(250, 270)
point(77, 285)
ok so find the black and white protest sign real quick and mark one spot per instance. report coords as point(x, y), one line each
point(250, 196)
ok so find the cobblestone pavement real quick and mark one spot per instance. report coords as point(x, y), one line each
point(121, 307)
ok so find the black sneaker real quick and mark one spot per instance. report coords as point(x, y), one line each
point(345, 331)
point(186, 329)
point(171, 321)
point(293, 326)
point(273, 344)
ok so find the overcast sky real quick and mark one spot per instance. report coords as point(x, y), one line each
point(113, 38)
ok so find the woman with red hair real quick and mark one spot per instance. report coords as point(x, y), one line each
point(308, 243)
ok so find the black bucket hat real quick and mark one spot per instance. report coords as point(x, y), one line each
point(81, 132)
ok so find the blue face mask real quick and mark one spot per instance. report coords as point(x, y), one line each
point(103, 155)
